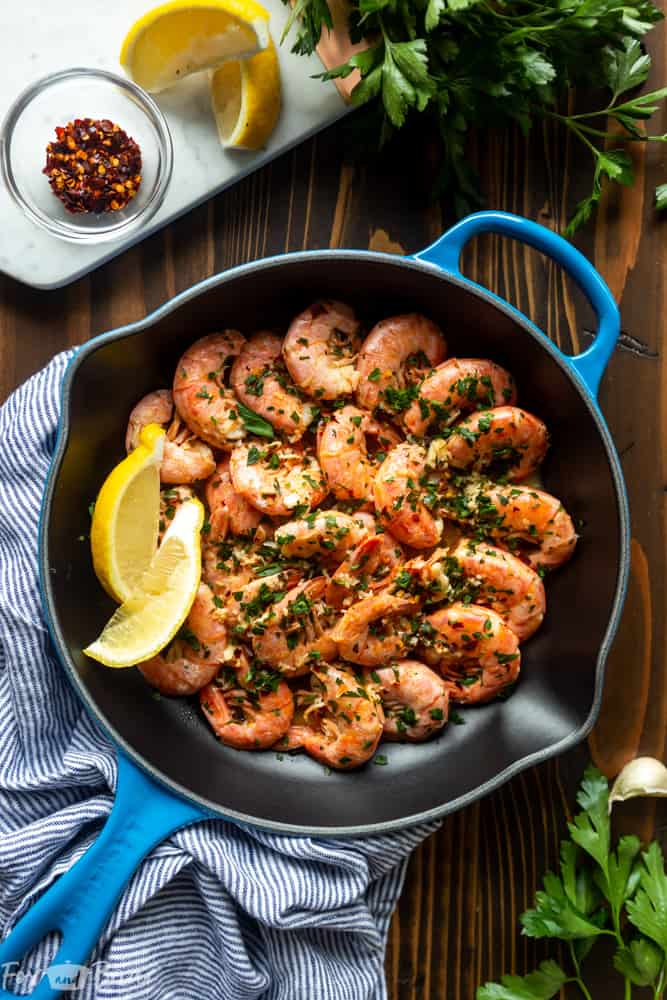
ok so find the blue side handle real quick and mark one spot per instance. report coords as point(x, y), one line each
point(446, 254)
point(81, 901)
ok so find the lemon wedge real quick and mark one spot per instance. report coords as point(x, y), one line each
point(245, 95)
point(185, 36)
point(124, 531)
point(152, 616)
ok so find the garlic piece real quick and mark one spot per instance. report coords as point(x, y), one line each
point(436, 456)
point(641, 776)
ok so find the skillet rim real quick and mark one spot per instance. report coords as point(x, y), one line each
point(277, 261)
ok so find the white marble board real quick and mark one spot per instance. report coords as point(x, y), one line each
point(38, 37)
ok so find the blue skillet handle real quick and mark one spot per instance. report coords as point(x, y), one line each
point(446, 254)
point(81, 901)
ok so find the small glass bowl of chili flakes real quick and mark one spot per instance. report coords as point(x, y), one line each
point(87, 155)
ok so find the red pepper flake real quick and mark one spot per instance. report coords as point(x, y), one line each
point(94, 166)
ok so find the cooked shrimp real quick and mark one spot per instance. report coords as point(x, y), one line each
point(414, 698)
point(243, 606)
point(504, 438)
point(397, 578)
point(504, 583)
point(202, 398)
point(320, 349)
point(369, 567)
point(368, 521)
point(295, 633)
point(326, 533)
point(259, 379)
point(247, 716)
point(229, 565)
point(207, 624)
point(185, 458)
point(193, 658)
point(276, 478)
point(376, 629)
point(476, 652)
point(244, 576)
point(516, 514)
point(170, 500)
point(342, 450)
point(403, 493)
point(484, 574)
point(178, 670)
point(229, 512)
point(394, 357)
point(457, 386)
point(343, 720)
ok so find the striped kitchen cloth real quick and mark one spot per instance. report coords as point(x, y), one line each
point(215, 911)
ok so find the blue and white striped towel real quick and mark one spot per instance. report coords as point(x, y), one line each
point(214, 911)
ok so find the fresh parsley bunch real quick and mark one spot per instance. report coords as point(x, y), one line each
point(600, 893)
point(479, 63)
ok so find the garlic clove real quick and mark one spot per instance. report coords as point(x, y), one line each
point(641, 776)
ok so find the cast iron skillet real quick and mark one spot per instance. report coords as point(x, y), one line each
point(171, 769)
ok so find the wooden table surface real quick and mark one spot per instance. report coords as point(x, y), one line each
point(457, 923)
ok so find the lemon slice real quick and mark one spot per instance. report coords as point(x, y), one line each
point(185, 36)
point(124, 531)
point(148, 620)
point(245, 95)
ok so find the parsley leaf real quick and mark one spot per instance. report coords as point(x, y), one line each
point(617, 166)
point(555, 915)
point(469, 65)
point(624, 874)
point(641, 962)
point(405, 79)
point(542, 984)
point(648, 910)
point(253, 423)
point(312, 16)
point(625, 68)
point(597, 888)
point(434, 11)
point(538, 69)
point(591, 828)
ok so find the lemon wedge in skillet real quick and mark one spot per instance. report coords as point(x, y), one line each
point(182, 37)
point(151, 617)
point(124, 530)
point(245, 95)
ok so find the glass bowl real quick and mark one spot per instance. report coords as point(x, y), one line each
point(58, 99)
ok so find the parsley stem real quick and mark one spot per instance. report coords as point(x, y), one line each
point(569, 119)
point(591, 114)
point(616, 917)
point(577, 131)
point(596, 131)
point(612, 107)
point(577, 979)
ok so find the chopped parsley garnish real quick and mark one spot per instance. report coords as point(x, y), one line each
point(254, 385)
point(255, 424)
point(399, 400)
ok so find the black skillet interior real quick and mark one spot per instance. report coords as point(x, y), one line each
point(562, 665)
